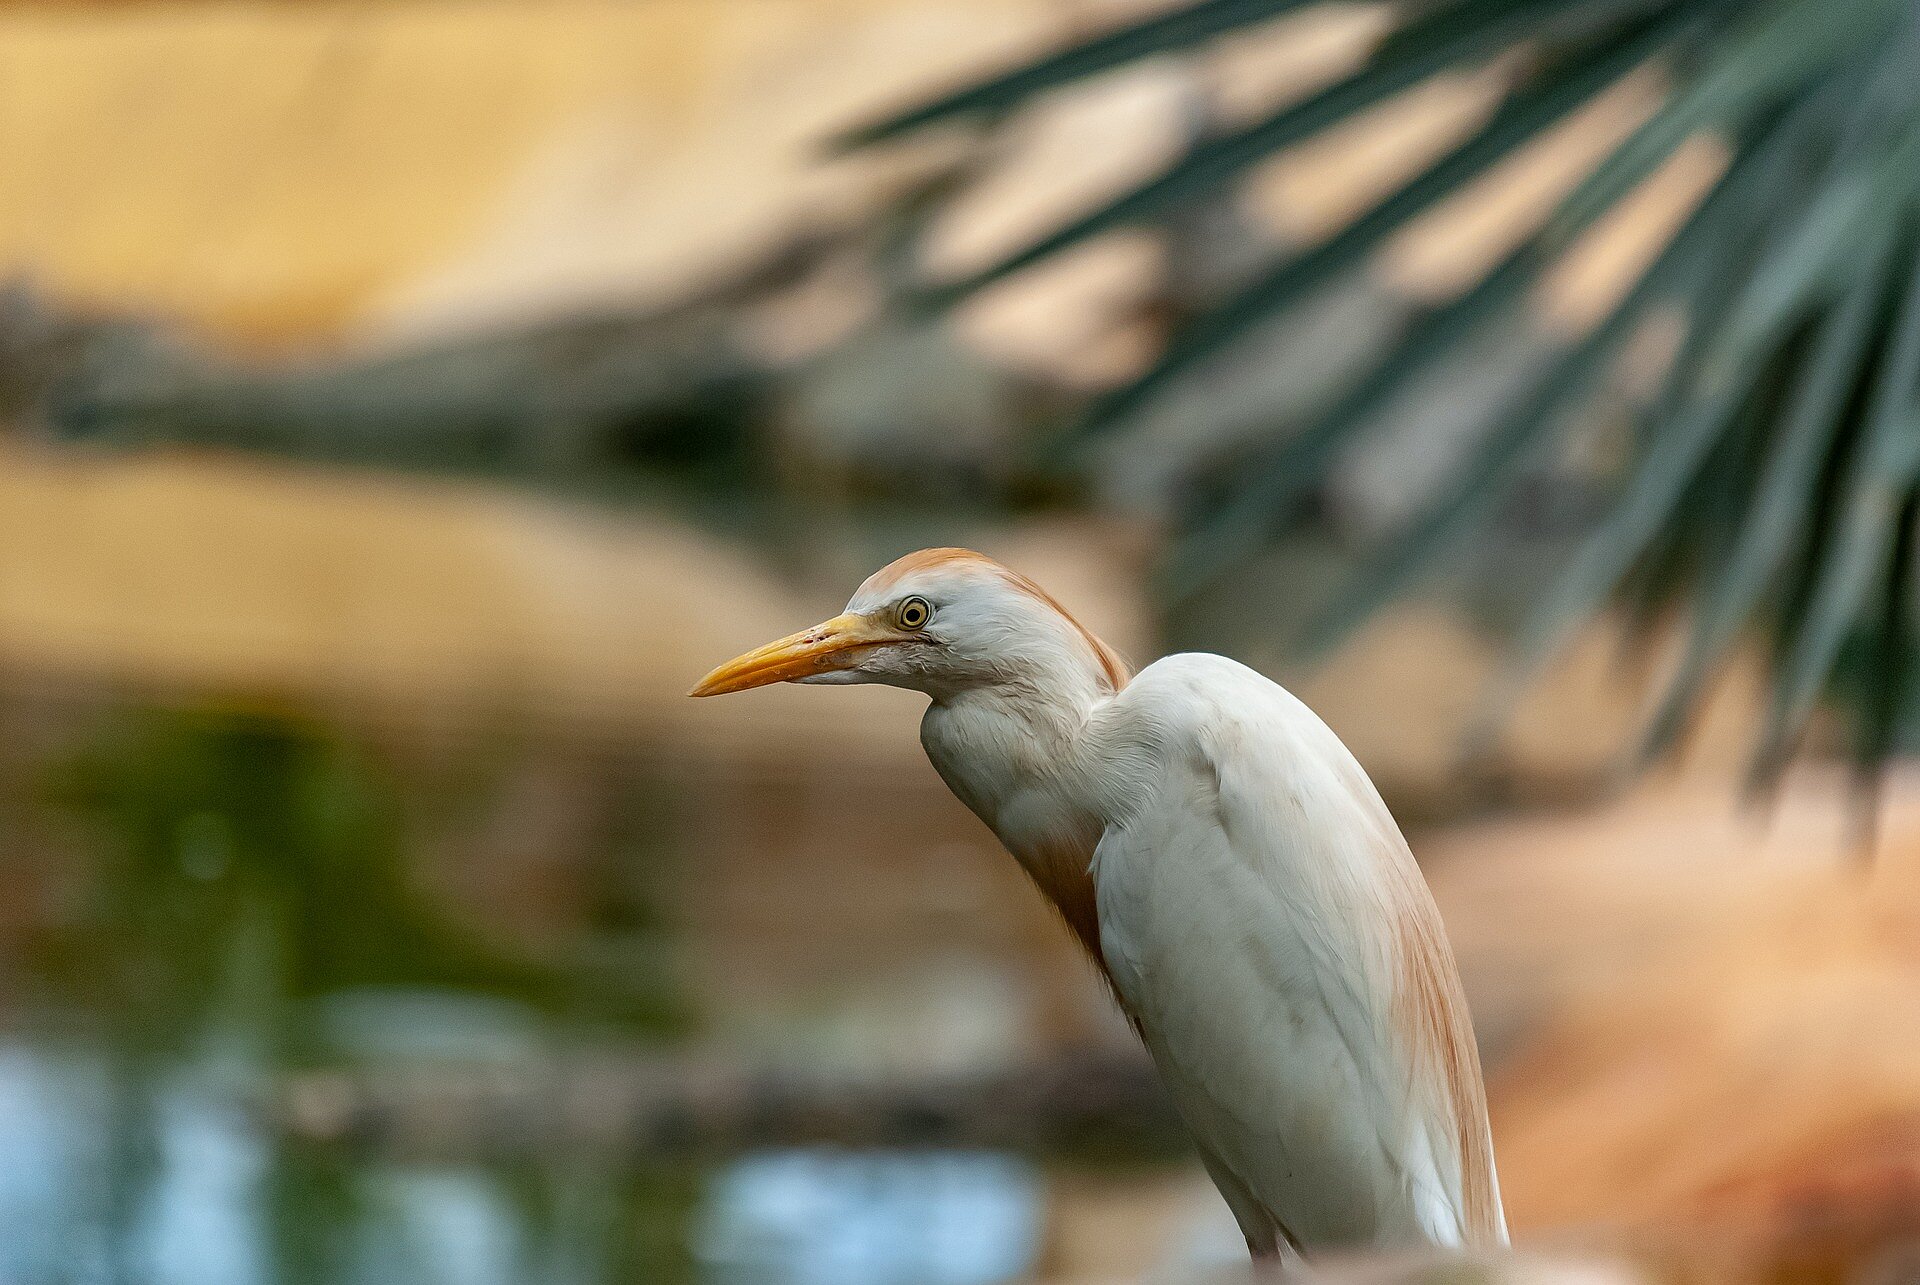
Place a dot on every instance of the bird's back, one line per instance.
(1270, 933)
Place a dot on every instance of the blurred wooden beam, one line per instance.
(1105, 1104)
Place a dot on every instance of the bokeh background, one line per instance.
(405, 402)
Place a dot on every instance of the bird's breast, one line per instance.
(1008, 778)
(1054, 842)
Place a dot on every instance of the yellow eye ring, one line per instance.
(912, 613)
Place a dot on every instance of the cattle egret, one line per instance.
(1231, 870)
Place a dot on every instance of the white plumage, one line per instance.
(1229, 866)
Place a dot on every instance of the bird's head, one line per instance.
(939, 621)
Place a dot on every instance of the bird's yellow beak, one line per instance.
(830, 645)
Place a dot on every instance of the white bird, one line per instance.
(1229, 866)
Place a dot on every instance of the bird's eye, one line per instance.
(913, 612)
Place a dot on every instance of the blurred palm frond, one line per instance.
(1771, 482)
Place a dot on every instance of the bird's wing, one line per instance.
(1266, 925)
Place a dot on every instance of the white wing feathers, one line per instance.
(1263, 920)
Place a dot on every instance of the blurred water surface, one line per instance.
(243, 913)
(209, 1198)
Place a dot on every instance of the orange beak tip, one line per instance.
(715, 684)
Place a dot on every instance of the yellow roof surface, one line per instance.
(277, 171)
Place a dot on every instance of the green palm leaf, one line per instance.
(1773, 482)
(1885, 467)
(1558, 87)
(1470, 32)
(1780, 510)
(1796, 275)
(1179, 29)
(1516, 432)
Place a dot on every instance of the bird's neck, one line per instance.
(1016, 755)
(995, 744)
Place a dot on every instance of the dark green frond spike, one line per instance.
(1647, 597)
(1289, 472)
(1887, 462)
(1452, 36)
(1778, 478)
(1659, 481)
(1243, 522)
(1648, 588)
(1795, 278)
(1278, 482)
(1509, 443)
(1530, 417)
(1181, 28)
(1784, 46)
(1886, 679)
(1555, 90)
(1786, 613)
(1783, 503)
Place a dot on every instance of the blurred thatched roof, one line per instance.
(1705, 1025)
